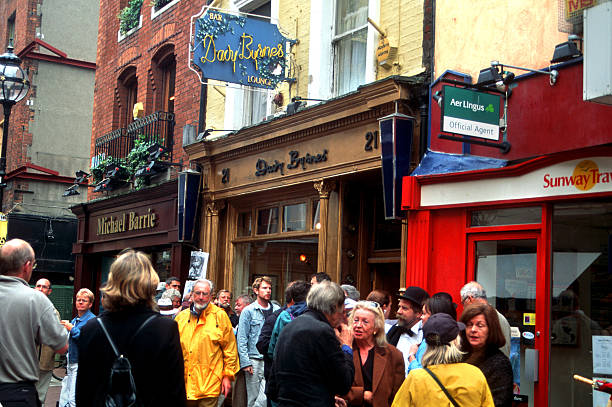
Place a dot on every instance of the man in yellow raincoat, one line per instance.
(209, 348)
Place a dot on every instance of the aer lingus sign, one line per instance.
(470, 113)
(238, 49)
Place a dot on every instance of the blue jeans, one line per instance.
(67, 396)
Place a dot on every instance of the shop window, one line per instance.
(316, 215)
(350, 44)
(581, 306)
(244, 224)
(507, 216)
(162, 262)
(283, 260)
(294, 217)
(267, 221)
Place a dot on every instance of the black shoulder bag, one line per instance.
(452, 400)
(121, 391)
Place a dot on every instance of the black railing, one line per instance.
(157, 127)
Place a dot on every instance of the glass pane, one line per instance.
(244, 224)
(350, 14)
(316, 215)
(581, 309)
(294, 217)
(350, 63)
(267, 221)
(283, 260)
(508, 216)
(507, 271)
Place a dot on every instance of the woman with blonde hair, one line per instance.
(444, 379)
(134, 325)
(379, 366)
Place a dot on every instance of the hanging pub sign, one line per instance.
(470, 113)
(239, 49)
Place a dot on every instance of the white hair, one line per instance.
(473, 289)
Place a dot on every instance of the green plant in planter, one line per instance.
(99, 170)
(129, 17)
(138, 157)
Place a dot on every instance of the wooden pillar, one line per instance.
(324, 187)
(211, 243)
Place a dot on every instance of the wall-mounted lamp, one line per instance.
(206, 133)
(80, 179)
(297, 102)
(567, 50)
(492, 76)
(553, 73)
(438, 98)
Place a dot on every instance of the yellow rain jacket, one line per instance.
(209, 351)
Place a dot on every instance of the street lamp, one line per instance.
(14, 85)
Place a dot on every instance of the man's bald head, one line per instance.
(44, 286)
(17, 259)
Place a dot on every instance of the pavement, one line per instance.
(53, 393)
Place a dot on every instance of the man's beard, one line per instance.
(200, 307)
(407, 323)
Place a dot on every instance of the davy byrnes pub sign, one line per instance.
(239, 49)
(470, 113)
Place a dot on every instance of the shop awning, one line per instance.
(434, 162)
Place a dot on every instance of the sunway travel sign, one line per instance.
(470, 113)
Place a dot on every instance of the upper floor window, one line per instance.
(10, 30)
(350, 44)
(128, 95)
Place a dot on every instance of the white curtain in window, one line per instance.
(350, 43)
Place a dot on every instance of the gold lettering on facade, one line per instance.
(126, 221)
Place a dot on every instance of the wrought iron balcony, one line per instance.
(157, 127)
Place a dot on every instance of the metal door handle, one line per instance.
(531, 365)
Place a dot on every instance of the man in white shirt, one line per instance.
(408, 329)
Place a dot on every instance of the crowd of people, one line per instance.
(326, 346)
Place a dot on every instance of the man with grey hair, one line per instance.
(313, 360)
(28, 320)
(209, 348)
(473, 292)
(350, 292)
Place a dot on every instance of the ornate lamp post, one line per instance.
(14, 86)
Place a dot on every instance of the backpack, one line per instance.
(121, 389)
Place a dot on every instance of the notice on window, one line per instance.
(602, 355)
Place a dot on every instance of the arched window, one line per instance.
(128, 95)
(164, 67)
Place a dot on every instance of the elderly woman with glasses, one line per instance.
(482, 339)
(379, 366)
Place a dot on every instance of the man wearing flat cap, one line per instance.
(408, 330)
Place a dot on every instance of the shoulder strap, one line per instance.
(452, 400)
(112, 344)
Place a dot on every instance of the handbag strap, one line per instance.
(112, 344)
(452, 400)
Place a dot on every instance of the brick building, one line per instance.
(48, 139)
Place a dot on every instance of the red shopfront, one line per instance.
(537, 234)
(540, 246)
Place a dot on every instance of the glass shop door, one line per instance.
(509, 266)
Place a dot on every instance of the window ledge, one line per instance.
(121, 37)
(155, 13)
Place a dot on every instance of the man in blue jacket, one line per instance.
(251, 320)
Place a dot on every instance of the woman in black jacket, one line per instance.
(154, 350)
(482, 339)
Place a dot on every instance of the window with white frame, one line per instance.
(350, 44)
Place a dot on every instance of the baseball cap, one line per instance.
(441, 329)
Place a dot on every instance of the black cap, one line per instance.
(441, 329)
(414, 294)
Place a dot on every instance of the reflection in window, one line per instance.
(267, 221)
(507, 216)
(244, 224)
(316, 215)
(294, 217)
(283, 260)
(581, 306)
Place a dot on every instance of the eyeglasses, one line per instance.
(201, 293)
(33, 263)
(372, 304)
(479, 326)
(46, 287)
